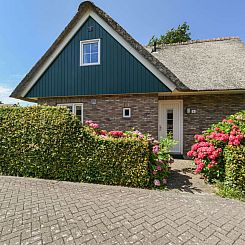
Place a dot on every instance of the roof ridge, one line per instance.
(200, 41)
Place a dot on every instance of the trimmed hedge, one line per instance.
(39, 141)
(115, 161)
(235, 167)
(49, 142)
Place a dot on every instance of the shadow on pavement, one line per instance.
(180, 181)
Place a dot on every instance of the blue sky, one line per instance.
(29, 27)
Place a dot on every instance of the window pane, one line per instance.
(126, 112)
(94, 47)
(87, 48)
(86, 58)
(170, 122)
(94, 58)
(78, 110)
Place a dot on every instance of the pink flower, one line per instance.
(230, 121)
(88, 122)
(239, 117)
(155, 149)
(209, 166)
(94, 125)
(154, 172)
(157, 182)
(190, 153)
(103, 132)
(199, 138)
(159, 168)
(201, 155)
(211, 157)
(164, 181)
(116, 133)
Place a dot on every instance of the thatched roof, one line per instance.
(214, 64)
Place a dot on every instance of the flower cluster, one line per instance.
(116, 133)
(204, 152)
(91, 124)
(160, 171)
(207, 152)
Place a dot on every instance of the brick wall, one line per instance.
(108, 111)
(210, 109)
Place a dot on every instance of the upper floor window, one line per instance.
(90, 52)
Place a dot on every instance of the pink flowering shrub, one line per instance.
(208, 151)
(160, 162)
(159, 159)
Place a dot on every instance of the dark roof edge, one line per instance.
(84, 6)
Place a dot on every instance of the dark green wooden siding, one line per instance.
(118, 73)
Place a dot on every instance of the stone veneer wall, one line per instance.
(108, 111)
(210, 109)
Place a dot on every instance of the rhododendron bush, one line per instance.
(208, 151)
(156, 165)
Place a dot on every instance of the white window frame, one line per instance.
(124, 115)
(81, 51)
(73, 105)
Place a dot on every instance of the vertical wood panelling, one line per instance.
(118, 73)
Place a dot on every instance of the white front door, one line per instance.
(170, 119)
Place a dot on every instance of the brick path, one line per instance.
(183, 179)
(36, 211)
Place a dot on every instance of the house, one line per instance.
(101, 73)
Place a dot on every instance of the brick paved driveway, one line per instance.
(49, 212)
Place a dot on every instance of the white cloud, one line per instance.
(4, 96)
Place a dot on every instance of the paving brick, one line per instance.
(52, 212)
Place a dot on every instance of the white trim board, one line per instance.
(114, 34)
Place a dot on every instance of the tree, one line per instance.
(178, 35)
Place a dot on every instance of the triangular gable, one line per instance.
(86, 10)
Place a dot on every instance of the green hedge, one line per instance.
(235, 166)
(121, 161)
(39, 141)
(49, 142)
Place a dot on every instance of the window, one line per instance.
(126, 112)
(90, 52)
(170, 121)
(77, 109)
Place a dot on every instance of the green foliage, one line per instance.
(208, 151)
(160, 162)
(39, 141)
(229, 192)
(165, 145)
(49, 142)
(178, 35)
(114, 161)
(235, 167)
